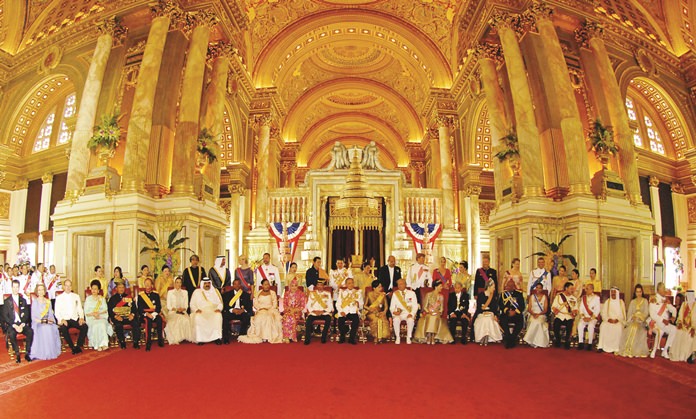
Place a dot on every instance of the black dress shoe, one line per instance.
(160, 343)
(588, 347)
(579, 348)
(306, 342)
(78, 350)
(353, 342)
(218, 342)
(122, 345)
(28, 358)
(690, 360)
(199, 343)
(136, 346)
(18, 361)
(147, 349)
(342, 340)
(74, 351)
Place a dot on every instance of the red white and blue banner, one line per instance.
(423, 235)
(287, 236)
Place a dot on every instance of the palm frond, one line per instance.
(563, 239)
(537, 254)
(572, 259)
(177, 242)
(149, 249)
(148, 235)
(543, 241)
(172, 236)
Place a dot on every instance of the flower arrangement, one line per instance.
(106, 135)
(602, 139)
(511, 147)
(207, 146)
(165, 256)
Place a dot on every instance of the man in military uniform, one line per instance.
(511, 308)
(149, 310)
(122, 311)
(565, 309)
(319, 308)
(236, 306)
(348, 305)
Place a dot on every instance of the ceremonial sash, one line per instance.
(16, 307)
(565, 301)
(235, 298)
(222, 278)
(539, 280)
(510, 296)
(541, 308)
(587, 308)
(342, 278)
(377, 302)
(147, 300)
(241, 278)
(317, 299)
(662, 309)
(26, 284)
(218, 293)
(99, 303)
(55, 278)
(45, 310)
(348, 301)
(262, 272)
(193, 281)
(420, 273)
(123, 302)
(687, 315)
(400, 296)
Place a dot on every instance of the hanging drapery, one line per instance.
(372, 246)
(342, 245)
(423, 236)
(287, 235)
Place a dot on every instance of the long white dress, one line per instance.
(537, 334)
(486, 324)
(610, 334)
(178, 327)
(266, 325)
(684, 343)
(206, 325)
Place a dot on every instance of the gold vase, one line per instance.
(515, 164)
(104, 154)
(603, 157)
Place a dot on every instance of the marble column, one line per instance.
(78, 165)
(589, 35)
(18, 213)
(236, 215)
(570, 123)
(262, 124)
(656, 211)
(444, 125)
(489, 56)
(140, 123)
(527, 130)
(214, 110)
(473, 224)
(435, 161)
(44, 210)
(186, 136)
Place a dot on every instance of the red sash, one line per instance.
(26, 284)
(565, 301)
(241, 277)
(262, 272)
(16, 307)
(483, 274)
(662, 309)
(121, 303)
(587, 308)
(55, 278)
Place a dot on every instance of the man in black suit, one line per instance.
(389, 274)
(16, 315)
(458, 310)
(312, 274)
(122, 311)
(511, 309)
(236, 306)
(150, 311)
(483, 273)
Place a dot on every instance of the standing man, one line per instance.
(540, 275)
(53, 284)
(511, 308)
(25, 282)
(403, 307)
(122, 311)
(69, 314)
(458, 311)
(338, 278)
(483, 274)
(17, 316)
(236, 306)
(596, 282)
(5, 280)
(219, 274)
(319, 308)
(418, 276)
(389, 274)
(38, 276)
(268, 271)
(589, 311)
(193, 275)
(565, 309)
(312, 274)
(348, 305)
(150, 311)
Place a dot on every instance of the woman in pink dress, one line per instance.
(443, 274)
(294, 302)
(515, 274)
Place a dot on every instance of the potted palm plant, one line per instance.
(602, 142)
(106, 137)
(510, 151)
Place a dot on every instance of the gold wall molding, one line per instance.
(5, 199)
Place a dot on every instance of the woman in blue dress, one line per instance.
(97, 318)
(46, 344)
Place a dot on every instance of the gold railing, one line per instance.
(422, 205)
(288, 204)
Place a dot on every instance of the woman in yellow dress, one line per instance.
(144, 274)
(431, 327)
(376, 306)
(559, 282)
(164, 281)
(364, 278)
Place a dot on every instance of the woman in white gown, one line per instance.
(537, 335)
(486, 327)
(684, 343)
(178, 322)
(266, 325)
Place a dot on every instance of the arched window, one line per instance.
(59, 128)
(43, 138)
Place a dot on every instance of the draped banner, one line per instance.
(423, 235)
(286, 237)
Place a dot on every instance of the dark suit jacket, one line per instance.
(463, 302)
(312, 276)
(244, 301)
(8, 314)
(383, 276)
(142, 305)
(480, 282)
(116, 299)
(505, 306)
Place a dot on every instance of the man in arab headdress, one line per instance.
(206, 317)
(219, 274)
(613, 319)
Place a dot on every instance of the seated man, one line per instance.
(69, 314)
(238, 306)
(149, 310)
(122, 311)
(17, 316)
(590, 306)
(403, 307)
(319, 308)
(660, 313)
(564, 307)
(613, 319)
(206, 317)
(348, 304)
(511, 308)
(458, 311)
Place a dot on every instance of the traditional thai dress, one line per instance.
(431, 319)
(293, 304)
(46, 344)
(683, 346)
(98, 330)
(162, 285)
(634, 339)
(376, 307)
(266, 325)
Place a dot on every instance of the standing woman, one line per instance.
(634, 339)
(46, 343)
(117, 278)
(294, 301)
(97, 318)
(178, 327)
(515, 274)
(443, 274)
(245, 274)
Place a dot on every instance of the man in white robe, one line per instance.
(613, 320)
(206, 314)
(661, 311)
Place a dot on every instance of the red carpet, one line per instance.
(330, 381)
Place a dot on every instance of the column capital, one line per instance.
(167, 8)
(654, 181)
(275, 133)
(261, 120)
(677, 188)
(204, 17)
(287, 166)
(449, 121)
(472, 190)
(47, 177)
(432, 133)
(220, 49)
(489, 51)
(113, 27)
(21, 183)
(505, 20)
(236, 188)
(539, 10)
(587, 31)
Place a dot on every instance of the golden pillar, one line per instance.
(589, 35)
(444, 125)
(78, 165)
(140, 123)
(435, 161)
(570, 124)
(262, 123)
(189, 112)
(527, 131)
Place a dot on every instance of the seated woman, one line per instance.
(486, 327)
(431, 326)
(537, 335)
(97, 318)
(162, 284)
(634, 338)
(46, 343)
(376, 307)
(684, 342)
(294, 301)
(178, 327)
(266, 325)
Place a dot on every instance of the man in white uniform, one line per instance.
(588, 309)
(206, 314)
(539, 274)
(348, 306)
(270, 272)
(70, 315)
(338, 277)
(53, 284)
(660, 312)
(318, 308)
(403, 307)
(418, 276)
